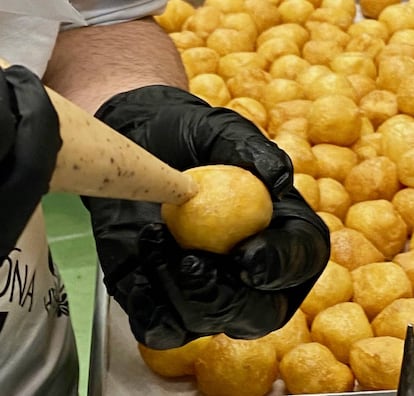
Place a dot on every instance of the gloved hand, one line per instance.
(173, 295)
(29, 143)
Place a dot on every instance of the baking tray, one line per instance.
(116, 367)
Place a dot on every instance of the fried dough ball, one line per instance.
(405, 36)
(321, 52)
(265, 14)
(204, 21)
(225, 6)
(288, 66)
(378, 284)
(199, 60)
(333, 222)
(373, 178)
(275, 47)
(333, 197)
(186, 39)
(293, 333)
(371, 27)
(367, 128)
(376, 362)
(405, 168)
(295, 11)
(370, 45)
(397, 17)
(323, 295)
(339, 326)
(281, 90)
(300, 153)
(334, 119)
(210, 87)
(246, 82)
(405, 95)
(296, 126)
(251, 109)
(175, 14)
(403, 201)
(392, 70)
(373, 8)
(289, 31)
(308, 188)
(395, 49)
(232, 64)
(380, 222)
(394, 318)
(229, 367)
(406, 261)
(285, 111)
(355, 62)
(322, 30)
(397, 136)
(336, 16)
(174, 362)
(313, 368)
(347, 5)
(362, 85)
(379, 105)
(310, 74)
(241, 21)
(225, 41)
(352, 249)
(330, 84)
(334, 161)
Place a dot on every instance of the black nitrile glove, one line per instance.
(29, 143)
(173, 295)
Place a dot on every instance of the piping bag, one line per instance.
(95, 160)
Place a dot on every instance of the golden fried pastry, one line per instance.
(333, 222)
(273, 48)
(333, 197)
(296, 126)
(392, 70)
(321, 52)
(293, 333)
(308, 188)
(249, 82)
(370, 27)
(174, 362)
(186, 39)
(281, 90)
(264, 13)
(397, 136)
(380, 222)
(175, 14)
(300, 153)
(371, 179)
(356, 62)
(225, 41)
(290, 31)
(378, 284)
(397, 17)
(373, 8)
(229, 367)
(331, 84)
(378, 105)
(324, 295)
(371, 45)
(236, 63)
(199, 60)
(334, 119)
(241, 21)
(405, 95)
(288, 66)
(313, 368)
(335, 15)
(362, 85)
(288, 110)
(334, 161)
(403, 201)
(376, 362)
(394, 318)
(295, 11)
(406, 261)
(225, 6)
(405, 168)
(322, 30)
(405, 36)
(251, 109)
(203, 21)
(348, 5)
(339, 326)
(210, 87)
(352, 249)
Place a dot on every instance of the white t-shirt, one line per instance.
(38, 351)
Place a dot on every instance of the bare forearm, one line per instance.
(89, 65)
